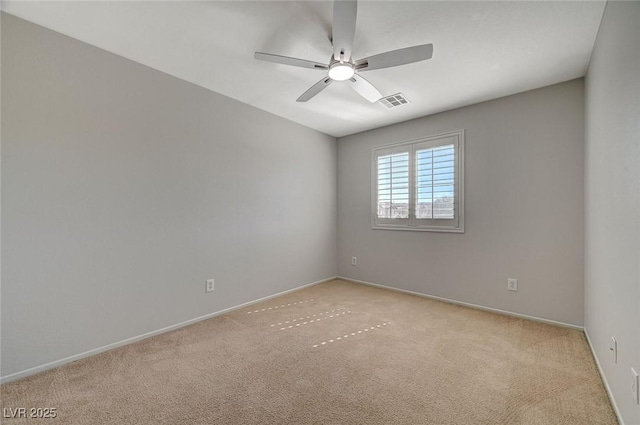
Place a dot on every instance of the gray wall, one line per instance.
(612, 181)
(523, 208)
(124, 189)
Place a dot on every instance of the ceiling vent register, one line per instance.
(394, 100)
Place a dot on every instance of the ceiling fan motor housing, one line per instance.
(340, 71)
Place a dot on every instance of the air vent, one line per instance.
(394, 100)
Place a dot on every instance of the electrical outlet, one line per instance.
(613, 347)
(354, 261)
(635, 386)
(210, 285)
(512, 284)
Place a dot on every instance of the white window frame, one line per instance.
(455, 225)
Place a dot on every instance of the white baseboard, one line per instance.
(60, 362)
(604, 379)
(476, 306)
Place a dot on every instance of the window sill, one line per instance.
(419, 229)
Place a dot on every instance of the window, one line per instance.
(418, 185)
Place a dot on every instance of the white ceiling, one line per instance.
(482, 49)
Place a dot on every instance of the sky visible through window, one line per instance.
(434, 184)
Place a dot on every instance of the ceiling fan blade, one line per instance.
(344, 27)
(285, 60)
(396, 57)
(315, 89)
(365, 88)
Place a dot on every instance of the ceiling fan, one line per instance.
(341, 65)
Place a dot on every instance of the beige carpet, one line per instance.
(334, 353)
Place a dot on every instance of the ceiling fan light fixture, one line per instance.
(341, 71)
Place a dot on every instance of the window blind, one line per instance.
(418, 185)
(435, 182)
(393, 185)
